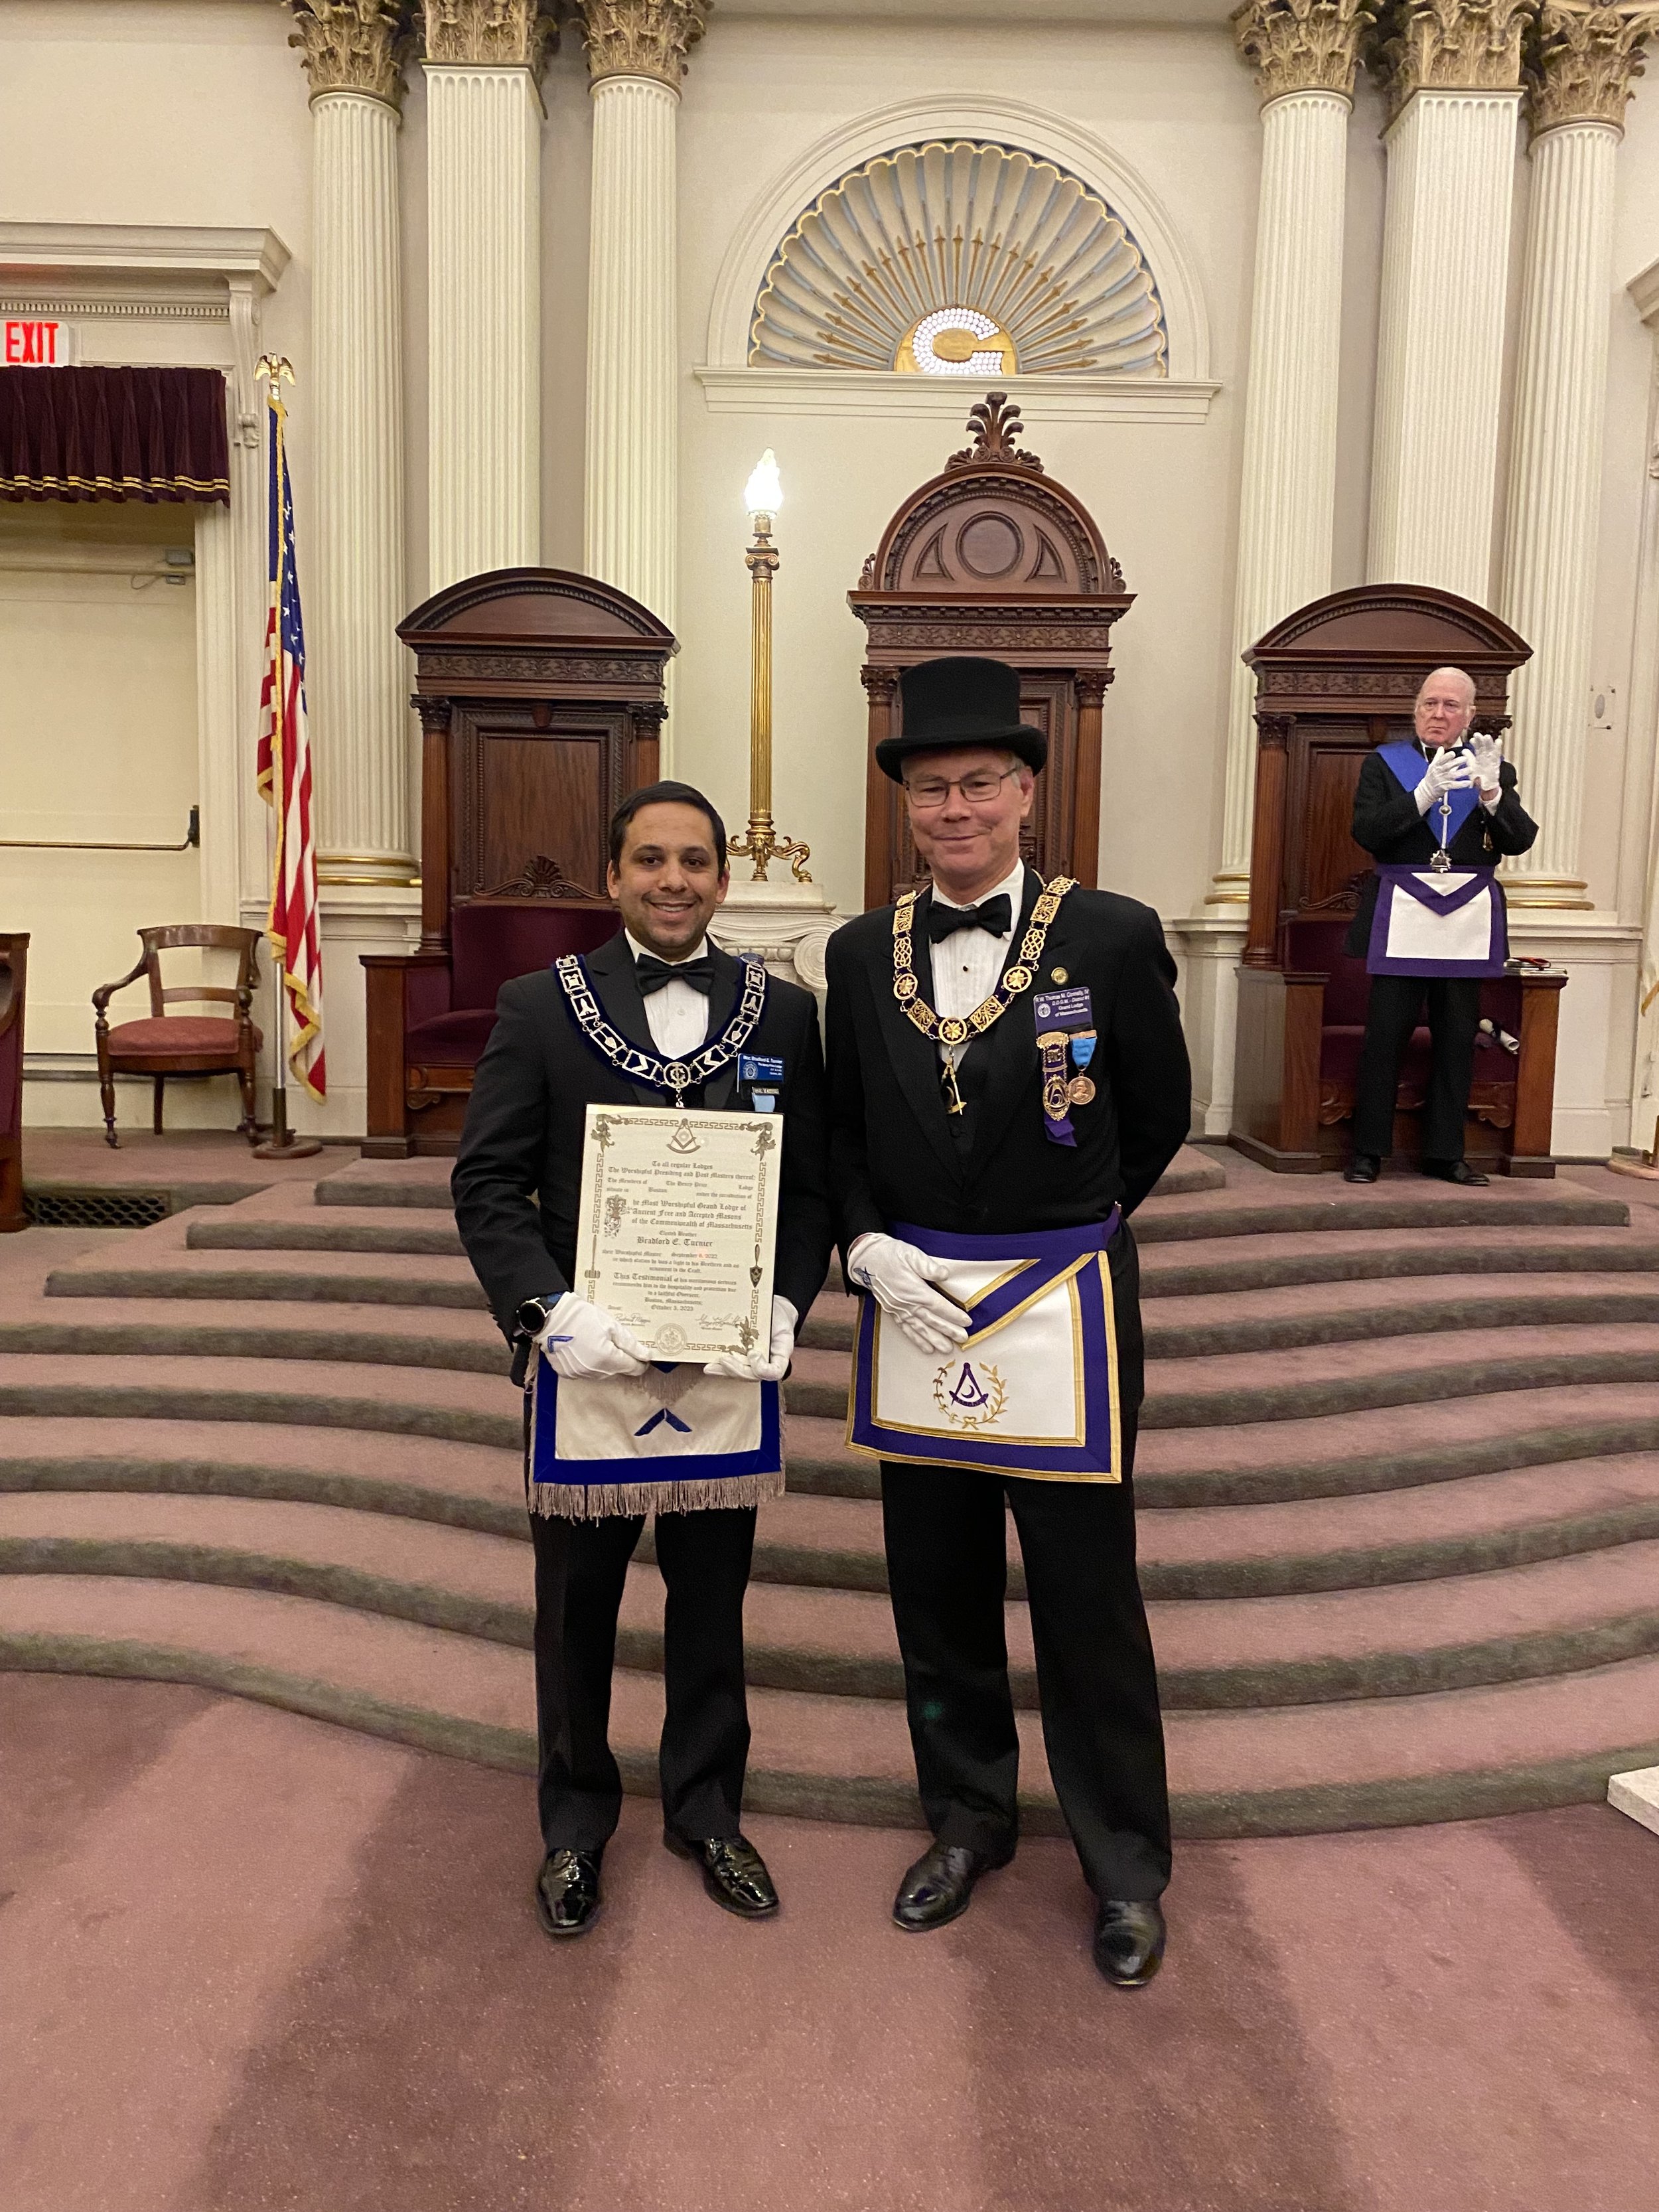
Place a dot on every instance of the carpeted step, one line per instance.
(422, 1183)
(1202, 1266)
(464, 1486)
(1429, 1206)
(1448, 1754)
(1461, 1526)
(1343, 1455)
(1228, 1389)
(329, 1229)
(172, 1269)
(419, 1338)
(1552, 1618)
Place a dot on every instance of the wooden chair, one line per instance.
(14, 972)
(165, 1044)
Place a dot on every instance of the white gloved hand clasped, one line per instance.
(1448, 770)
(585, 1342)
(1487, 763)
(758, 1366)
(902, 1280)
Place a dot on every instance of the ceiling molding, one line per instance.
(159, 254)
(1045, 398)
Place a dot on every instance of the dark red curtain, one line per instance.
(116, 434)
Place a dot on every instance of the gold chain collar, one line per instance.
(1017, 978)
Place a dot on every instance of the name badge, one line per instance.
(1065, 1010)
(755, 1067)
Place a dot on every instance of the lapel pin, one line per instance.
(1059, 975)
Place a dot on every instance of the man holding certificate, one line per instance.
(640, 1189)
(1008, 1081)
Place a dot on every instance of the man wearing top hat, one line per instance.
(1450, 800)
(658, 1016)
(1008, 1081)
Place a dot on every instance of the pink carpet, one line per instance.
(252, 1962)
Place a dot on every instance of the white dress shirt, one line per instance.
(677, 1014)
(968, 964)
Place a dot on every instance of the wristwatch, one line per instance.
(534, 1314)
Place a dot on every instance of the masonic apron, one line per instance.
(1438, 919)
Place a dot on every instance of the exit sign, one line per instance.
(25, 343)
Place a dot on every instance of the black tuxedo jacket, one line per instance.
(893, 1154)
(525, 1126)
(1387, 824)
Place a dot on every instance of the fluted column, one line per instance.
(483, 64)
(1303, 53)
(1580, 61)
(636, 57)
(1452, 70)
(354, 52)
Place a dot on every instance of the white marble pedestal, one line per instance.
(785, 924)
(1637, 1794)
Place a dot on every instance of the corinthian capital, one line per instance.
(641, 37)
(1302, 46)
(491, 34)
(1451, 45)
(354, 45)
(1580, 61)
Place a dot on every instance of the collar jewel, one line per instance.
(1015, 978)
(628, 1059)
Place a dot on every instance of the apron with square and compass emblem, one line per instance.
(1034, 1390)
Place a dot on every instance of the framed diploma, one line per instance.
(678, 1226)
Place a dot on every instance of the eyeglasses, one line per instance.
(929, 793)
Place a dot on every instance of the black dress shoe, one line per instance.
(733, 1873)
(568, 1893)
(1458, 1171)
(937, 1888)
(1129, 1939)
(1364, 1167)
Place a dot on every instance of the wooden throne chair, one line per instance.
(993, 556)
(540, 694)
(1333, 680)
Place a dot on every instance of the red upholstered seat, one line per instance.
(490, 944)
(171, 1033)
(454, 1040)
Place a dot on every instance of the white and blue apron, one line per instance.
(1034, 1390)
(1441, 920)
(673, 1440)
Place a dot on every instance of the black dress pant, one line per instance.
(1097, 1681)
(581, 1568)
(1453, 1017)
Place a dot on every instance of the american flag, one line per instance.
(285, 772)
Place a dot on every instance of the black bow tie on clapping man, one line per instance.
(995, 914)
(653, 974)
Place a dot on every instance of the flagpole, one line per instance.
(281, 1144)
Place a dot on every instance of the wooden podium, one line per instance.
(992, 556)
(1333, 680)
(540, 693)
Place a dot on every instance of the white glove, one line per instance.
(902, 1280)
(1447, 771)
(758, 1366)
(1487, 765)
(585, 1342)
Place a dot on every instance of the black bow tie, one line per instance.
(995, 914)
(653, 974)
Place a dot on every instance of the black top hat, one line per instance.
(963, 701)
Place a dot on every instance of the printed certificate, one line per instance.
(678, 1221)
